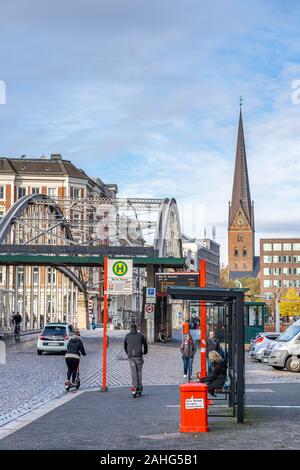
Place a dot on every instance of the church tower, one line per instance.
(241, 216)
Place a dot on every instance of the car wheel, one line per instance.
(278, 367)
(293, 364)
(39, 352)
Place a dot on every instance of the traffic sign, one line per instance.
(119, 276)
(150, 295)
(149, 310)
(91, 305)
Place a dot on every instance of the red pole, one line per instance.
(104, 386)
(202, 283)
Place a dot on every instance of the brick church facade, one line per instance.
(242, 261)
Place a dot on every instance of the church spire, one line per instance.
(241, 190)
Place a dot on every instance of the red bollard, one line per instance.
(193, 407)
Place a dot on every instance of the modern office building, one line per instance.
(279, 265)
(196, 249)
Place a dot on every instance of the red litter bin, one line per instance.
(186, 328)
(193, 407)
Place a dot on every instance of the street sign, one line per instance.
(150, 295)
(179, 315)
(149, 310)
(119, 276)
(91, 305)
(165, 280)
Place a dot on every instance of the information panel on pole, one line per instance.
(119, 276)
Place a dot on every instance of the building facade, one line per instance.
(241, 247)
(280, 265)
(43, 294)
(209, 250)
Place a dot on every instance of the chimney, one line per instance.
(56, 156)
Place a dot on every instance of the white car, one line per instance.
(54, 337)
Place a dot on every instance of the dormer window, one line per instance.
(244, 251)
(236, 251)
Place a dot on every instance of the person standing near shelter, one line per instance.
(136, 346)
(213, 344)
(188, 351)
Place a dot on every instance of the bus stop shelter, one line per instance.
(232, 300)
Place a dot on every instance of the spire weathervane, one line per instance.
(241, 101)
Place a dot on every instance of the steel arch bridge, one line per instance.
(37, 221)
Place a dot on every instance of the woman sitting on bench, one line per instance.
(217, 378)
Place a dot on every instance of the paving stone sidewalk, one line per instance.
(114, 420)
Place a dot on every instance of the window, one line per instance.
(277, 283)
(1, 276)
(277, 271)
(52, 192)
(267, 246)
(75, 192)
(267, 283)
(20, 276)
(267, 259)
(268, 295)
(298, 271)
(76, 220)
(287, 259)
(244, 251)
(1, 192)
(296, 246)
(236, 265)
(296, 259)
(277, 259)
(285, 271)
(35, 190)
(268, 271)
(240, 238)
(35, 275)
(287, 247)
(1, 214)
(276, 246)
(51, 275)
(236, 251)
(21, 192)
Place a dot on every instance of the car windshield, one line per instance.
(54, 330)
(290, 333)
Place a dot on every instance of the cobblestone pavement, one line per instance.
(114, 420)
(28, 381)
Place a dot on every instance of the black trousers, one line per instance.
(72, 364)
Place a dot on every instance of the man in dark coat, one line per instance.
(213, 344)
(135, 346)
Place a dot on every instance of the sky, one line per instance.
(146, 95)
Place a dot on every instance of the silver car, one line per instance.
(259, 344)
(286, 351)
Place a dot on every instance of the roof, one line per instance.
(41, 166)
(254, 273)
(241, 189)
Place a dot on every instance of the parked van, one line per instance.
(286, 349)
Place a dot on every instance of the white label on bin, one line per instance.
(194, 403)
